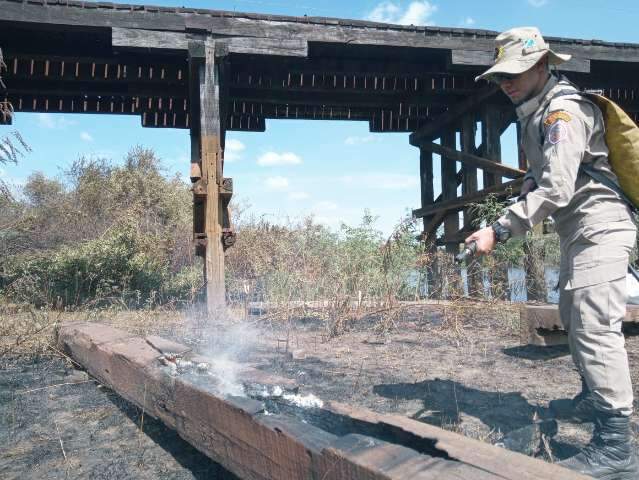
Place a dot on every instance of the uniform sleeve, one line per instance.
(565, 140)
(529, 175)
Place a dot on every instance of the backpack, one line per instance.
(622, 139)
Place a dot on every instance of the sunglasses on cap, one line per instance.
(503, 77)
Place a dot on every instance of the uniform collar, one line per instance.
(530, 106)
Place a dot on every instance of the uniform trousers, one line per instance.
(592, 306)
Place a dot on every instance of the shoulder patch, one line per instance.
(557, 132)
(553, 117)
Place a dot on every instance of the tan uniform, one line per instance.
(596, 234)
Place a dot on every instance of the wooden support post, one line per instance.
(521, 156)
(207, 139)
(449, 190)
(469, 186)
(427, 198)
(426, 181)
(534, 260)
(490, 134)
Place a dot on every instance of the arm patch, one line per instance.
(557, 132)
(555, 116)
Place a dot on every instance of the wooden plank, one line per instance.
(136, 39)
(547, 316)
(454, 113)
(457, 204)
(451, 154)
(281, 47)
(242, 435)
(233, 24)
(506, 464)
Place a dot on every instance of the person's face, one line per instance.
(522, 87)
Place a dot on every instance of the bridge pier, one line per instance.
(211, 192)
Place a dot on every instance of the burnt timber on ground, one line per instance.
(213, 71)
(540, 324)
(333, 441)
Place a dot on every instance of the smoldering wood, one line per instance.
(261, 437)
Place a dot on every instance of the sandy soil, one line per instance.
(462, 370)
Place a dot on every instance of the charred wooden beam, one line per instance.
(256, 433)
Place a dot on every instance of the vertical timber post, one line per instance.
(469, 185)
(427, 198)
(490, 135)
(207, 140)
(449, 192)
(491, 138)
(452, 277)
(534, 261)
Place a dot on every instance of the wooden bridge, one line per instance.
(215, 71)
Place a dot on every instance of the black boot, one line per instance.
(580, 409)
(610, 454)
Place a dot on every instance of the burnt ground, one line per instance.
(466, 373)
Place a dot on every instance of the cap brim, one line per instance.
(520, 65)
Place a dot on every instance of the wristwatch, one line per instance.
(501, 233)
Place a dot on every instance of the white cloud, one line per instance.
(468, 21)
(231, 156)
(234, 145)
(232, 150)
(325, 206)
(270, 159)
(418, 12)
(298, 195)
(54, 122)
(276, 183)
(537, 3)
(86, 137)
(359, 140)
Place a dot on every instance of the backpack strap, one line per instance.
(586, 167)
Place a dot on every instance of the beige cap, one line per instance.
(518, 50)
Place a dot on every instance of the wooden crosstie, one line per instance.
(214, 71)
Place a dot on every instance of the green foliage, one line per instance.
(306, 261)
(122, 266)
(545, 248)
(107, 233)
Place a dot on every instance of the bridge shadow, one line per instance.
(444, 402)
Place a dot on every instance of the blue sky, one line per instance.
(333, 170)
